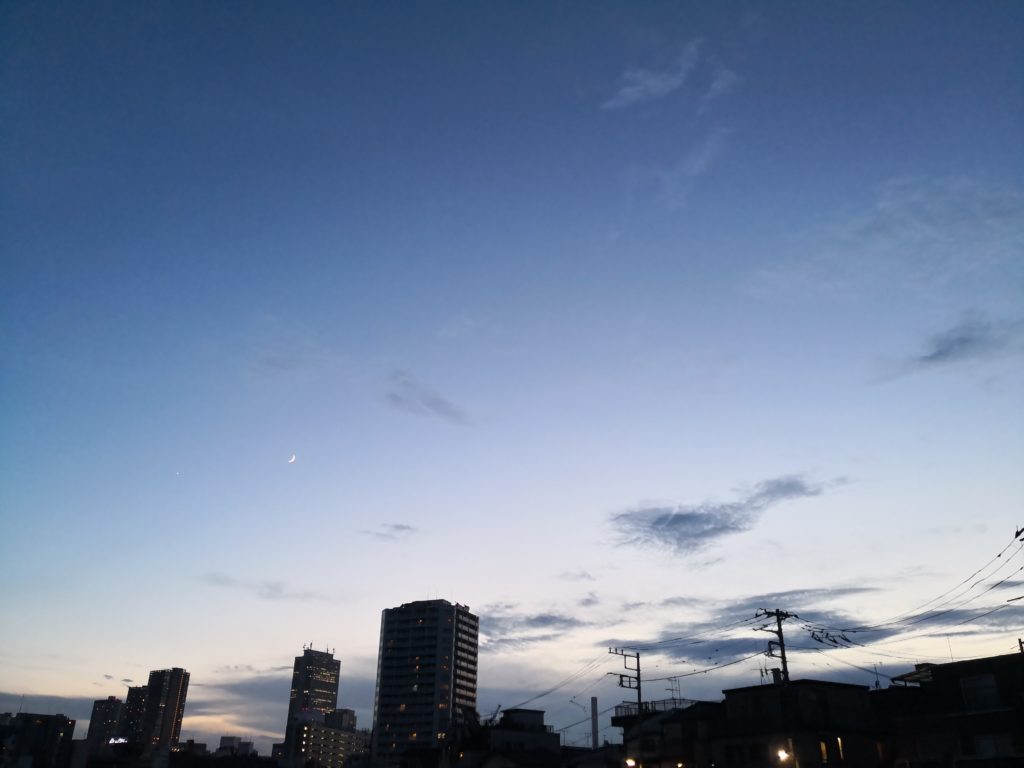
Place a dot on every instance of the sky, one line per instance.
(616, 322)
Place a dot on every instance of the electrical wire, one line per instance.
(589, 667)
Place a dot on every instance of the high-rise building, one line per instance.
(426, 675)
(165, 707)
(313, 696)
(314, 686)
(133, 713)
(104, 724)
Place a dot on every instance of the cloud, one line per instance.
(580, 575)
(919, 234)
(265, 590)
(974, 338)
(108, 677)
(677, 182)
(639, 86)
(406, 393)
(283, 350)
(724, 82)
(127, 680)
(589, 601)
(390, 532)
(729, 630)
(503, 628)
(687, 529)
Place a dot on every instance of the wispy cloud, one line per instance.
(589, 601)
(728, 629)
(918, 235)
(390, 531)
(974, 338)
(678, 181)
(580, 575)
(406, 393)
(723, 82)
(690, 528)
(638, 86)
(265, 590)
(504, 628)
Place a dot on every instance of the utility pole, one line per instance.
(779, 616)
(630, 681)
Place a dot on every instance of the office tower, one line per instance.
(426, 675)
(165, 707)
(314, 686)
(104, 724)
(314, 694)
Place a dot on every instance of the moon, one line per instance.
(292, 459)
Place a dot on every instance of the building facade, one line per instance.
(105, 723)
(38, 741)
(164, 708)
(314, 690)
(426, 676)
(314, 696)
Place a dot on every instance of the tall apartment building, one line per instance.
(426, 675)
(105, 724)
(132, 714)
(164, 708)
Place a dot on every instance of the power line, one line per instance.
(708, 669)
(590, 666)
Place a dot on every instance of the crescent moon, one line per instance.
(292, 459)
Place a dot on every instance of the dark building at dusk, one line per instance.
(36, 741)
(964, 713)
(105, 723)
(164, 708)
(426, 676)
(314, 690)
(313, 696)
(132, 714)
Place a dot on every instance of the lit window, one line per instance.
(823, 750)
(839, 744)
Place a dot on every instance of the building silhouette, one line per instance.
(164, 708)
(34, 740)
(132, 714)
(314, 686)
(426, 676)
(313, 696)
(105, 723)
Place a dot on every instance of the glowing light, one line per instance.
(783, 755)
(630, 762)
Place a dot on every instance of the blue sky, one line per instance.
(611, 321)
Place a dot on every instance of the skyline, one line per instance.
(613, 323)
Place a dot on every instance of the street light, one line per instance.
(783, 755)
(630, 762)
